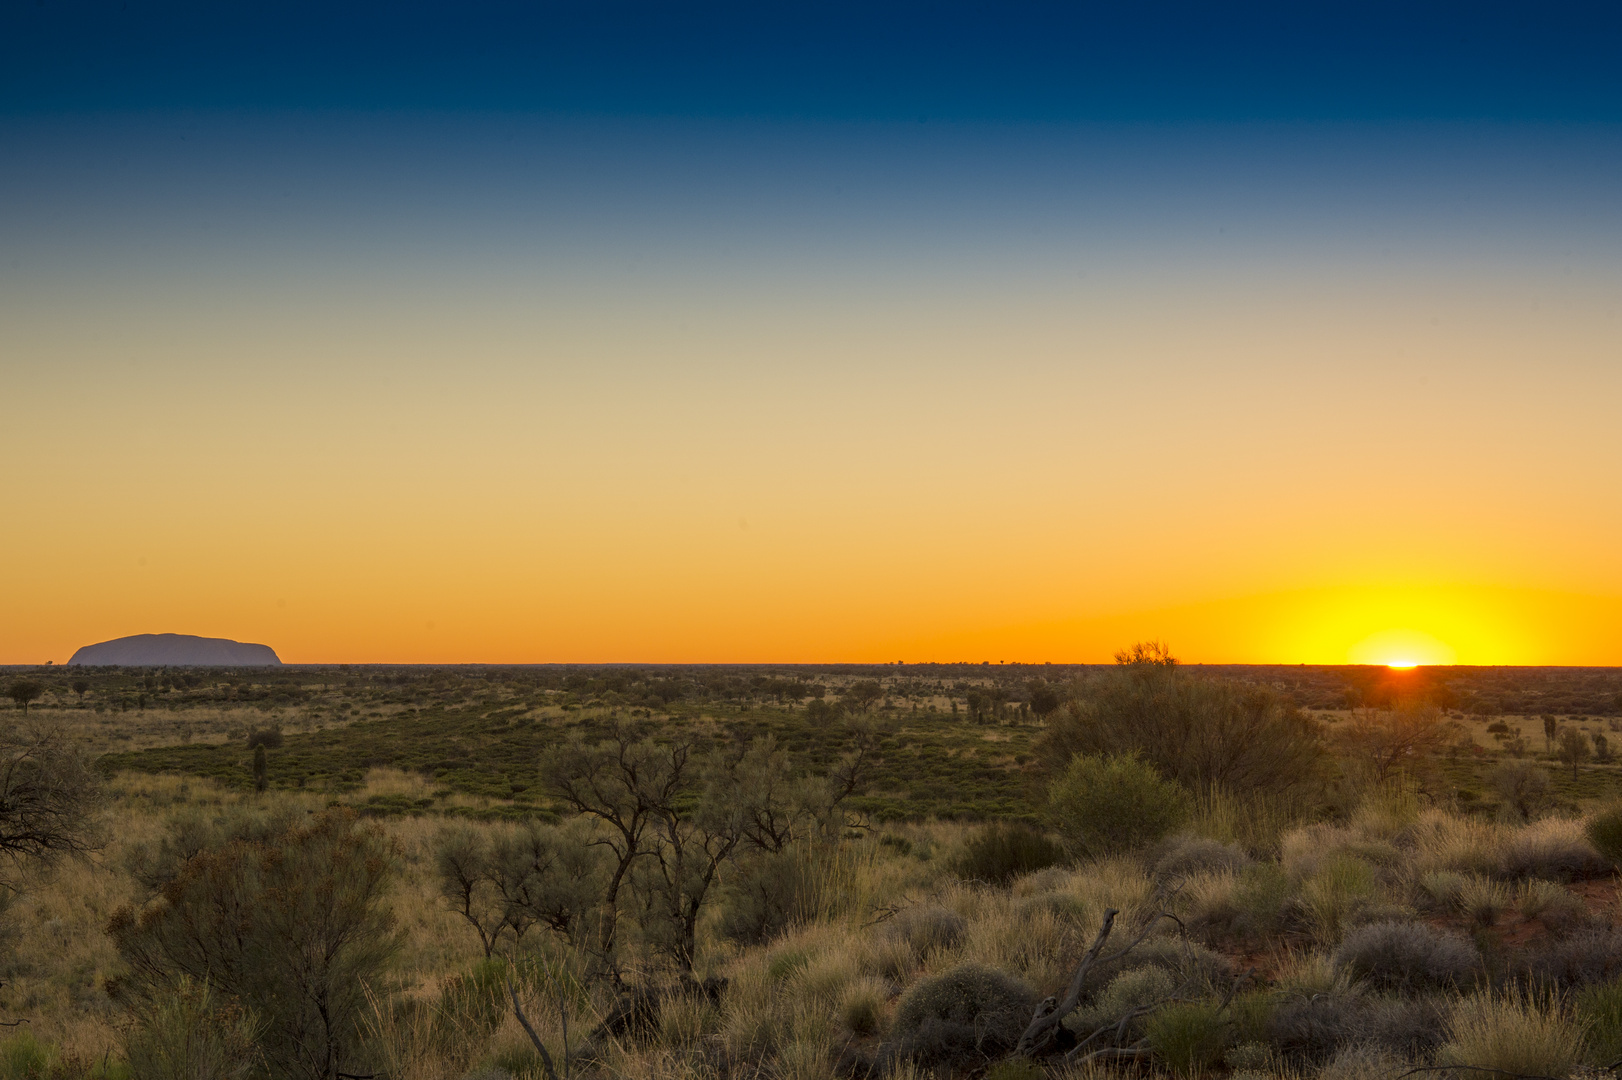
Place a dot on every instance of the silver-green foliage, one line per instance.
(1106, 805)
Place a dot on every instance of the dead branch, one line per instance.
(1479, 1068)
(1045, 1023)
(540, 1047)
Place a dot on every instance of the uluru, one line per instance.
(175, 650)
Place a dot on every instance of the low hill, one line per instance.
(176, 650)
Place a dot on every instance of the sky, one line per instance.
(668, 332)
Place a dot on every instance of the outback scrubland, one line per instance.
(920, 870)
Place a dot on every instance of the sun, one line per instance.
(1401, 647)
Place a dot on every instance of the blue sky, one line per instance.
(1057, 62)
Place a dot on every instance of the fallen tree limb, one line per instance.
(1045, 1023)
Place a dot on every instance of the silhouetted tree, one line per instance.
(79, 687)
(24, 691)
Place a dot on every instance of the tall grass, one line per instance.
(1514, 1033)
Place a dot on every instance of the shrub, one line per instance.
(1185, 960)
(1261, 894)
(1554, 848)
(1106, 805)
(25, 1057)
(928, 930)
(1341, 886)
(1599, 1010)
(766, 899)
(1522, 786)
(1440, 889)
(293, 930)
(191, 1034)
(1202, 732)
(1185, 856)
(1312, 1029)
(861, 1006)
(1550, 902)
(269, 738)
(1410, 1027)
(1129, 991)
(1582, 959)
(1004, 850)
(1188, 1037)
(1407, 956)
(1514, 1034)
(782, 889)
(1604, 832)
(1364, 1063)
(961, 1017)
(1483, 900)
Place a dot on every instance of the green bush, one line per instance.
(1599, 1009)
(1105, 805)
(1188, 1038)
(1000, 852)
(294, 930)
(772, 893)
(24, 1057)
(1605, 832)
(192, 1034)
(1207, 733)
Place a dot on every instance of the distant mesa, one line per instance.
(176, 650)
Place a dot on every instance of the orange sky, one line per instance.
(1274, 479)
(879, 434)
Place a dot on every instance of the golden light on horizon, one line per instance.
(1402, 648)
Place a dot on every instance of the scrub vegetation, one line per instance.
(935, 870)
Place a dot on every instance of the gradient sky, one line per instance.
(671, 332)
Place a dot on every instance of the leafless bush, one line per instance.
(48, 792)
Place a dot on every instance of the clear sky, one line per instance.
(813, 332)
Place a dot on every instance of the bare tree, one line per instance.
(1397, 740)
(48, 793)
(621, 782)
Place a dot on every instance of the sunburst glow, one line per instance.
(1402, 648)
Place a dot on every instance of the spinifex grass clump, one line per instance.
(1514, 1034)
(1003, 850)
